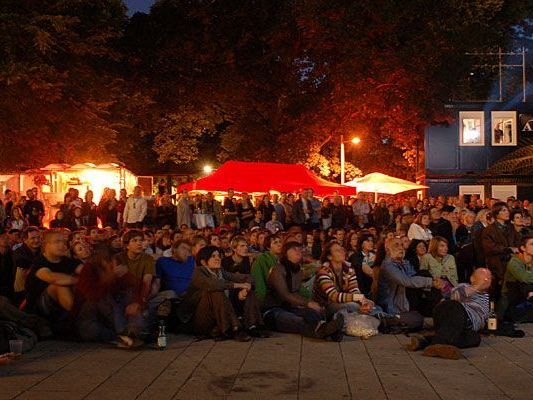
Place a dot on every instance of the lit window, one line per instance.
(472, 132)
(504, 128)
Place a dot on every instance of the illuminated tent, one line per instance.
(261, 177)
(86, 176)
(380, 183)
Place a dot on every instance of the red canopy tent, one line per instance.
(262, 177)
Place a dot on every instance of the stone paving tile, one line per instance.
(282, 367)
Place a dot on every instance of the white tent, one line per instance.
(380, 183)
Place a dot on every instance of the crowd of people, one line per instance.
(243, 267)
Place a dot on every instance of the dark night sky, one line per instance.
(138, 6)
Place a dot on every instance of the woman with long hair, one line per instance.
(335, 287)
(17, 220)
(289, 311)
(88, 208)
(111, 211)
(207, 308)
(59, 220)
(419, 229)
(438, 262)
(362, 260)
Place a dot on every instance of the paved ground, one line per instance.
(284, 367)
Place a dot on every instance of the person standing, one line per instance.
(303, 211)
(33, 209)
(361, 207)
(135, 209)
(230, 208)
(88, 209)
(183, 210)
(278, 207)
(316, 206)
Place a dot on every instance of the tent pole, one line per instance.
(375, 197)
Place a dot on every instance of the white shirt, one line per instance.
(135, 210)
(419, 233)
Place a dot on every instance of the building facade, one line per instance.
(486, 150)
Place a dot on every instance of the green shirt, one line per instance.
(440, 267)
(144, 264)
(517, 271)
(260, 271)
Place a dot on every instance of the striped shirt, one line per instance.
(331, 288)
(476, 306)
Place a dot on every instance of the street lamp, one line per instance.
(208, 169)
(354, 140)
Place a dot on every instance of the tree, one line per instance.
(271, 80)
(57, 80)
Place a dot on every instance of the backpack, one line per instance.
(12, 331)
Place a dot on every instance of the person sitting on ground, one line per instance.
(198, 243)
(107, 306)
(458, 320)
(264, 263)
(237, 268)
(114, 243)
(441, 227)
(257, 221)
(51, 279)
(396, 275)
(335, 286)
(59, 221)
(287, 310)
(176, 272)
(439, 263)
(75, 220)
(7, 271)
(417, 249)
(239, 261)
(516, 302)
(499, 241)
(208, 310)
(274, 225)
(142, 266)
(419, 229)
(23, 259)
(81, 251)
(362, 261)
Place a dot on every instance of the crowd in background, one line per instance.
(245, 266)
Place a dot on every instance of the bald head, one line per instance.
(481, 278)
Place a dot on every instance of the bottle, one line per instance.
(492, 321)
(162, 336)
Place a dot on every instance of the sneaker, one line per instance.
(241, 336)
(443, 351)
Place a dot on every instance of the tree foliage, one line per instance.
(264, 80)
(56, 82)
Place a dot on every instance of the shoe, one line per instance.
(339, 335)
(164, 309)
(443, 351)
(331, 328)
(241, 336)
(418, 342)
(258, 332)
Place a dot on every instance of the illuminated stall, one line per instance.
(84, 177)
